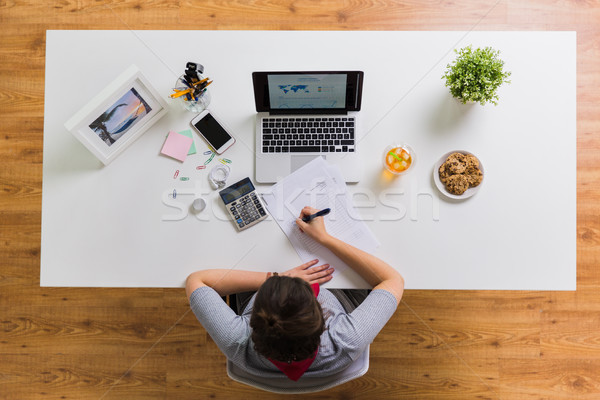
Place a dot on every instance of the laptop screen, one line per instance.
(307, 92)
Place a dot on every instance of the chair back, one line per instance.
(305, 384)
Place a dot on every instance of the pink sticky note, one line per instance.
(177, 146)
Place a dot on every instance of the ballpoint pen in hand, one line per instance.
(321, 213)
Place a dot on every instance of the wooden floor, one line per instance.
(144, 344)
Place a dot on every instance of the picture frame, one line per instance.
(118, 115)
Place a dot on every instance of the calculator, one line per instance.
(243, 204)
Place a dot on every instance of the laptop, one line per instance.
(303, 115)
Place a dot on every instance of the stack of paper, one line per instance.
(319, 185)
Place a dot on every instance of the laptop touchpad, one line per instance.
(299, 161)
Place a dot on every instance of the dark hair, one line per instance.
(287, 320)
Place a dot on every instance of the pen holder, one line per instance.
(195, 105)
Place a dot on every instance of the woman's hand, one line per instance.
(315, 228)
(310, 273)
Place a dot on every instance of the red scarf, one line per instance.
(296, 369)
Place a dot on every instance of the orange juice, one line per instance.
(398, 158)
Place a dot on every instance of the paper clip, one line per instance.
(207, 152)
(201, 167)
(176, 174)
(210, 159)
(174, 193)
(184, 178)
(223, 161)
(228, 161)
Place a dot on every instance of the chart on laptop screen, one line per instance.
(307, 91)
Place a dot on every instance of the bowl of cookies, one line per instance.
(458, 174)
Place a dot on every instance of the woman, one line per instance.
(290, 325)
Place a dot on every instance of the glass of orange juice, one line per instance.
(398, 158)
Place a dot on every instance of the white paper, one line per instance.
(319, 185)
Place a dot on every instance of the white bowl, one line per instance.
(442, 188)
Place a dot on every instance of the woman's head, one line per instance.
(287, 320)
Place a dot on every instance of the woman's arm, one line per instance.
(228, 281)
(225, 281)
(376, 272)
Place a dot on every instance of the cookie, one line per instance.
(471, 164)
(444, 175)
(455, 163)
(457, 184)
(475, 177)
(458, 156)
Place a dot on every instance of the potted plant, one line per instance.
(476, 75)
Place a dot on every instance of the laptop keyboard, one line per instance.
(308, 135)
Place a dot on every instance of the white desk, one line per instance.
(108, 226)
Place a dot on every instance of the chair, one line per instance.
(305, 384)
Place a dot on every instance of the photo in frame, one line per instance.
(118, 115)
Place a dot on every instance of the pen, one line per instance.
(317, 214)
(179, 93)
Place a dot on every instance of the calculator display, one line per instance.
(243, 204)
(236, 191)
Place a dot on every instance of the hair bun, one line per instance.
(287, 321)
(274, 325)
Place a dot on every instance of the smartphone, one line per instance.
(213, 131)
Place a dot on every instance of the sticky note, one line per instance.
(188, 133)
(177, 146)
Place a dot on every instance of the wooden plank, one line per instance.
(339, 15)
(81, 376)
(549, 379)
(126, 332)
(89, 14)
(448, 378)
(553, 14)
(569, 334)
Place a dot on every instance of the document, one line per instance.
(319, 185)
